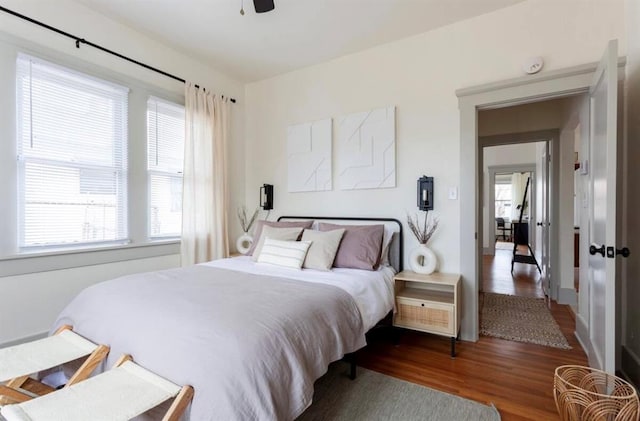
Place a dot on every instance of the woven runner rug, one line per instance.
(521, 319)
(377, 397)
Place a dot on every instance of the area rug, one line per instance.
(375, 397)
(521, 319)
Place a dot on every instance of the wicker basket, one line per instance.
(587, 394)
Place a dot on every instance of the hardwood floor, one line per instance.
(497, 275)
(516, 377)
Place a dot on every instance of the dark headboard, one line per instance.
(396, 256)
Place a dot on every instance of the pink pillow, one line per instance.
(278, 224)
(360, 247)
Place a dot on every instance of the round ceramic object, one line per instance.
(423, 260)
(243, 244)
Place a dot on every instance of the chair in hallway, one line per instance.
(503, 230)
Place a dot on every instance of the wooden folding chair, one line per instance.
(120, 394)
(18, 363)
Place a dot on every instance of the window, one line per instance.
(503, 200)
(165, 152)
(72, 157)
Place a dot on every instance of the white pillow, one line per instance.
(323, 249)
(289, 254)
(276, 234)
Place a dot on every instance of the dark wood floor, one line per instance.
(516, 377)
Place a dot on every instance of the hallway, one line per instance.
(497, 277)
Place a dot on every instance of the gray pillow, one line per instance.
(285, 234)
(324, 246)
(360, 247)
(279, 224)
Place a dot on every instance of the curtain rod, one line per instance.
(80, 40)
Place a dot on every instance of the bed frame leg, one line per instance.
(351, 358)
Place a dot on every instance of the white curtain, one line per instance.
(204, 197)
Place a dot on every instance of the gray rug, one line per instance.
(521, 319)
(375, 397)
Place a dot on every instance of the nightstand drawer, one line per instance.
(425, 315)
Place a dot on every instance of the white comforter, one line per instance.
(372, 290)
(251, 345)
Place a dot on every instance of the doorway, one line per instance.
(473, 101)
(596, 320)
(538, 167)
(510, 196)
(503, 188)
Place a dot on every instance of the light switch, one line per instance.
(453, 193)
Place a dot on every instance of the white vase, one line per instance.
(243, 244)
(423, 260)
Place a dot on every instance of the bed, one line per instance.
(251, 338)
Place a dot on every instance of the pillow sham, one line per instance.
(279, 224)
(285, 234)
(387, 239)
(360, 247)
(289, 254)
(323, 249)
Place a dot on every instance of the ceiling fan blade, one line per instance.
(263, 5)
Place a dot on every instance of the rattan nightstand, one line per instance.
(429, 303)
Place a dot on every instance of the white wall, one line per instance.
(31, 302)
(419, 75)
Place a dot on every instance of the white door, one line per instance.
(542, 217)
(603, 97)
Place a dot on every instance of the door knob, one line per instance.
(539, 224)
(625, 252)
(593, 250)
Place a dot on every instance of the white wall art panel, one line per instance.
(309, 156)
(367, 150)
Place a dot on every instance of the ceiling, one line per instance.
(296, 34)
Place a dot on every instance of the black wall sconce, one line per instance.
(266, 196)
(425, 193)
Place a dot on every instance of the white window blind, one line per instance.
(165, 156)
(72, 153)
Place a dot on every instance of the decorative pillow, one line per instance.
(280, 224)
(360, 247)
(289, 254)
(324, 246)
(387, 239)
(285, 234)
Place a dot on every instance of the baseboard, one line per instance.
(582, 334)
(567, 296)
(24, 339)
(630, 366)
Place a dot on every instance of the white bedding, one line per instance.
(250, 338)
(372, 290)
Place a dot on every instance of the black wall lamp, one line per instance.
(261, 6)
(266, 196)
(425, 193)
